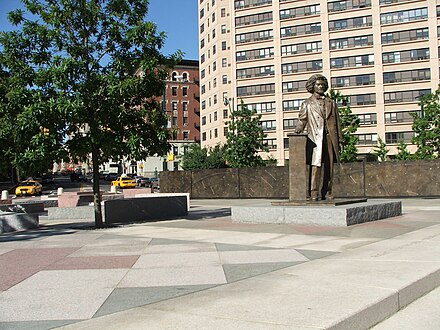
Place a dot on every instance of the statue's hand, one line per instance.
(298, 130)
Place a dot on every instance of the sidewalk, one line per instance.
(205, 272)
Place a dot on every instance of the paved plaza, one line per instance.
(206, 272)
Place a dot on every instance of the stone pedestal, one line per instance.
(338, 215)
(73, 199)
(297, 167)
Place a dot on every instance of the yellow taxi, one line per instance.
(124, 182)
(29, 187)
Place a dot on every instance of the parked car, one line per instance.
(47, 179)
(143, 182)
(111, 176)
(29, 187)
(155, 183)
(124, 182)
(103, 174)
(78, 177)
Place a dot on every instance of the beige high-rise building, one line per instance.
(383, 54)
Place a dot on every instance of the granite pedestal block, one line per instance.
(71, 213)
(140, 209)
(12, 221)
(341, 215)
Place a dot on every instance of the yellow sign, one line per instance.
(170, 157)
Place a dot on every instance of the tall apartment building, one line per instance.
(383, 54)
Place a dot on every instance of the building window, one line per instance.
(174, 91)
(225, 131)
(253, 36)
(351, 61)
(239, 4)
(397, 137)
(223, 29)
(185, 121)
(308, 47)
(224, 79)
(289, 123)
(185, 106)
(292, 105)
(223, 12)
(350, 23)
(203, 104)
(404, 16)
(204, 120)
(299, 12)
(348, 5)
(215, 133)
(407, 35)
(224, 46)
(174, 106)
(268, 125)
(358, 80)
(294, 86)
(400, 116)
(185, 91)
(253, 19)
(351, 42)
(298, 30)
(204, 136)
(262, 71)
(405, 96)
(367, 139)
(262, 107)
(202, 28)
(254, 54)
(203, 89)
(270, 143)
(256, 90)
(405, 76)
(368, 119)
(406, 56)
(363, 99)
(224, 62)
(315, 65)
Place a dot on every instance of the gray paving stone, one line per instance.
(238, 247)
(35, 325)
(314, 254)
(126, 298)
(237, 272)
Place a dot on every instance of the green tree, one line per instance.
(381, 150)
(426, 127)
(197, 158)
(245, 138)
(349, 126)
(403, 152)
(93, 69)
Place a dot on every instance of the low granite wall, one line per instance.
(418, 178)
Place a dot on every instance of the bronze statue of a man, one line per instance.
(320, 118)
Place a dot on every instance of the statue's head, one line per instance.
(310, 84)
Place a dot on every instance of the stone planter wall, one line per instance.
(419, 178)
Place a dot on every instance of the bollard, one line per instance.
(59, 191)
(5, 195)
(113, 189)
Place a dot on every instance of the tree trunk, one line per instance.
(96, 191)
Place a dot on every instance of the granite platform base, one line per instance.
(339, 215)
(12, 221)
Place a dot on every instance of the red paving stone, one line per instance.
(19, 264)
(94, 262)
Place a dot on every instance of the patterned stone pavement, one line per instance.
(64, 273)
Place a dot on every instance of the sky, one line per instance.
(178, 18)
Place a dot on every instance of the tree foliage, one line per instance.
(426, 127)
(403, 152)
(89, 70)
(349, 126)
(381, 150)
(197, 158)
(245, 138)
